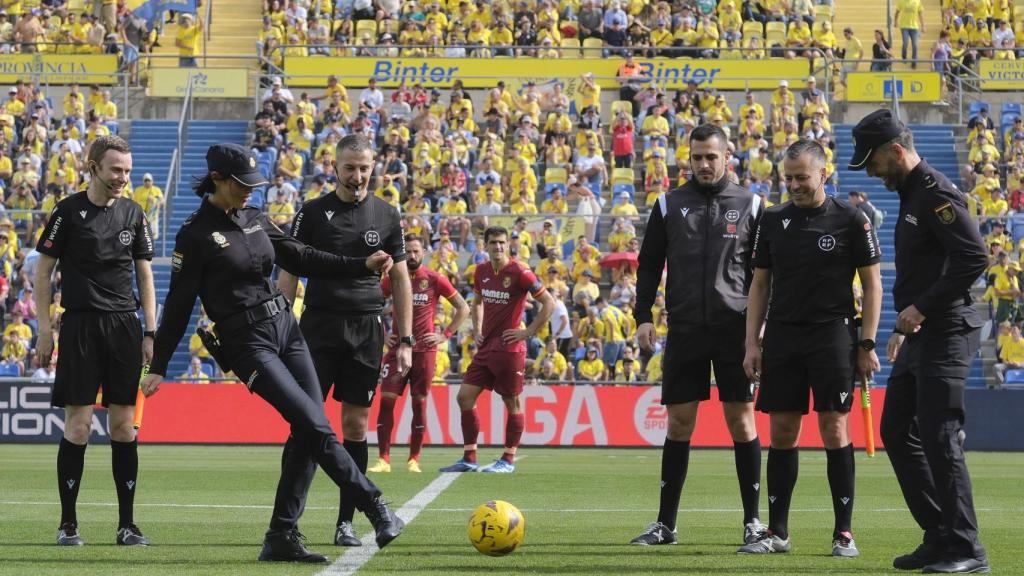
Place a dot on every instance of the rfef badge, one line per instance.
(945, 213)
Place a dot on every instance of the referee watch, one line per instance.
(866, 344)
(407, 340)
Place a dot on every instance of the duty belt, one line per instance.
(258, 313)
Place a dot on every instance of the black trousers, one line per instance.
(272, 359)
(922, 427)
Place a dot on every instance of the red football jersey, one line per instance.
(427, 287)
(504, 296)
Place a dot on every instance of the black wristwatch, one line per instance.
(408, 340)
(866, 344)
(149, 334)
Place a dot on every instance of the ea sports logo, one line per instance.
(826, 243)
(125, 237)
(651, 418)
(372, 238)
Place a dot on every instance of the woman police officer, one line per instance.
(225, 253)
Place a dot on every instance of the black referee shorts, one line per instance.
(800, 358)
(347, 353)
(691, 352)
(98, 350)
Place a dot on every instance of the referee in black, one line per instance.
(225, 253)
(939, 254)
(342, 322)
(703, 231)
(98, 236)
(805, 255)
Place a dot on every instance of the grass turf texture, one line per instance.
(206, 508)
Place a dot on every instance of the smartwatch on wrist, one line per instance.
(866, 344)
(407, 340)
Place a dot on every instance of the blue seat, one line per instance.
(9, 370)
(209, 369)
(975, 108)
(553, 186)
(618, 189)
(830, 190)
(1011, 109)
(1014, 377)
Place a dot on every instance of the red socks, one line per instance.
(514, 425)
(385, 425)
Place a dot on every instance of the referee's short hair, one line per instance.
(355, 143)
(494, 231)
(809, 147)
(98, 148)
(707, 131)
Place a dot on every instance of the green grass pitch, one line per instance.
(206, 509)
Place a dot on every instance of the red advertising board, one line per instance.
(555, 416)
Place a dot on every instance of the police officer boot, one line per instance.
(927, 553)
(287, 546)
(385, 523)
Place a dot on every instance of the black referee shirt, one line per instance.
(226, 259)
(97, 247)
(354, 229)
(813, 254)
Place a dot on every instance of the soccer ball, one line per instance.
(496, 528)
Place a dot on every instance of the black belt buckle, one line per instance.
(271, 308)
(212, 344)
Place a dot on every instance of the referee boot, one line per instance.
(656, 534)
(843, 546)
(130, 535)
(768, 544)
(68, 535)
(385, 523)
(959, 566)
(287, 546)
(925, 554)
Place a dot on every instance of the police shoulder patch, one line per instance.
(177, 259)
(945, 213)
(191, 217)
(929, 180)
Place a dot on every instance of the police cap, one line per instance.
(873, 131)
(235, 161)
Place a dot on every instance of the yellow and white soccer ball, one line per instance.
(496, 528)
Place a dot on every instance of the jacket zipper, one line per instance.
(704, 263)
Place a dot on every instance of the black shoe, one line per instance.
(656, 534)
(287, 547)
(959, 566)
(925, 554)
(385, 523)
(130, 535)
(68, 535)
(345, 535)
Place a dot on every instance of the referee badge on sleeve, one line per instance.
(945, 213)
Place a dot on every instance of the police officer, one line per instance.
(703, 231)
(805, 255)
(224, 253)
(939, 254)
(342, 321)
(98, 236)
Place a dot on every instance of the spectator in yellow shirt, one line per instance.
(148, 196)
(281, 211)
(195, 373)
(591, 368)
(550, 352)
(187, 40)
(555, 204)
(1011, 356)
(910, 19)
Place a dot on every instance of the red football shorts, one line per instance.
(419, 377)
(497, 370)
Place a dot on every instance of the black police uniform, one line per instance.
(227, 259)
(939, 255)
(810, 338)
(101, 336)
(342, 322)
(704, 234)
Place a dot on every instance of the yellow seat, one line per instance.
(824, 12)
(775, 33)
(753, 28)
(623, 105)
(623, 176)
(556, 176)
(573, 47)
(367, 28)
(592, 48)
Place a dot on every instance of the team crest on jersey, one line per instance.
(125, 237)
(372, 238)
(732, 216)
(424, 284)
(506, 281)
(826, 243)
(220, 240)
(945, 213)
